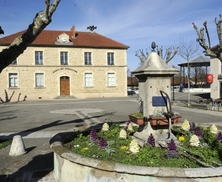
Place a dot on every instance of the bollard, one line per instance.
(17, 147)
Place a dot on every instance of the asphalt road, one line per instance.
(60, 115)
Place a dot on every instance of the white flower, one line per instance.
(122, 134)
(186, 125)
(213, 129)
(130, 127)
(194, 141)
(105, 127)
(134, 146)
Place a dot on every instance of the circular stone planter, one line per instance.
(69, 166)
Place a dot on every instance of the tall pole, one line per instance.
(188, 66)
(173, 88)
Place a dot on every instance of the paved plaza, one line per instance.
(38, 121)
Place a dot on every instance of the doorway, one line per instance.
(64, 85)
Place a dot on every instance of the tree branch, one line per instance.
(17, 47)
(169, 57)
(208, 37)
(201, 40)
(218, 25)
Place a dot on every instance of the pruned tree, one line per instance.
(17, 47)
(169, 54)
(215, 52)
(141, 55)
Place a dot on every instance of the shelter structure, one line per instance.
(197, 62)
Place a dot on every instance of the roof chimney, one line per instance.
(73, 31)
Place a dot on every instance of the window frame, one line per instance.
(14, 83)
(64, 57)
(112, 82)
(38, 57)
(110, 58)
(88, 83)
(88, 58)
(42, 83)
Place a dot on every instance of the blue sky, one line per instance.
(136, 23)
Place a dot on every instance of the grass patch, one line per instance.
(4, 143)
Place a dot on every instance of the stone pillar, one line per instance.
(215, 69)
(154, 75)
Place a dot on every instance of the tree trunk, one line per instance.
(17, 47)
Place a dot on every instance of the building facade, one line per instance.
(216, 85)
(66, 63)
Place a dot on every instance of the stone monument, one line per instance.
(154, 77)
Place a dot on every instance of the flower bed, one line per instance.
(86, 163)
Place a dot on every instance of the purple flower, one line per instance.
(172, 150)
(151, 140)
(198, 132)
(93, 135)
(171, 146)
(102, 143)
(128, 122)
(219, 137)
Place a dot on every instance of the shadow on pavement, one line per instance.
(40, 166)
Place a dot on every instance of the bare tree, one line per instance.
(169, 54)
(17, 47)
(216, 51)
(141, 55)
(187, 50)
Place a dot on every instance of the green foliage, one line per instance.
(219, 149)
(208, 136)
(118, 151)
(208, 151)
(4, 143)
(138, 114)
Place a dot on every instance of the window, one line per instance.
(64, 58)
(14, 62)
(110, 58)
(111, 79)
(88, 58)
(13, 80)
(39, 80)
(38, 58)
(88, 79)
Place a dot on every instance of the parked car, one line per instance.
(136, 90)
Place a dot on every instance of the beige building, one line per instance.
(66, 63)
(216, 85)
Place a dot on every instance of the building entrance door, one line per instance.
(64, 85)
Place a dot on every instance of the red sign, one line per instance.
(210, 78)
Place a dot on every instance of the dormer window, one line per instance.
(63, 39)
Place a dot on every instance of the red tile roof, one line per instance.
(81, 39)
